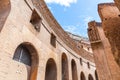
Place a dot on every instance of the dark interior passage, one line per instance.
(65, 75)
(74, 70)
(82, 76)
(90, 77)
(51, 70)
(96, 75)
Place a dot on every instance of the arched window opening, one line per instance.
(65, 75)
(53, 40)
(88, 64)
(96, 75)
(74, 70)
(82, 76)
(81, 46)
(26, 53)
(5, 7)
(81, 61)
(36, 20)
(90, 77)
(88, 48)
(51, 70)
(22, 55)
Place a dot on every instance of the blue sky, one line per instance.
(74, 15)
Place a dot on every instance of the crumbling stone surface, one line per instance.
(117, 2)
(109, 14)
(103, 54)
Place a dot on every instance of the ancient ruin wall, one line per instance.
(5, 7)
(117, 2)
(102, 53)
(41, 6)
(110, 16)
(35, 37)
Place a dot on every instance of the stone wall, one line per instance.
(110, 23)
(104, 60)
(47, 61)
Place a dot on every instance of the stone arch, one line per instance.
(96, 75)
(27, 54)
(90, 77)
(5, 7)
(65, 71)
(82, 76)
(51, 70)
(74, 70)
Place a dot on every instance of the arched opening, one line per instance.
(81, 61)
(82, 76)
(88, 64)
(96, 75)
(25, 53)
(22, 55)
(74, 70)
(90, 77)
(4, 11)
(51, 70)
(65, 75)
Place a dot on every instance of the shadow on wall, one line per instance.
(4, 11)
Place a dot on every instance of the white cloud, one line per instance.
(76, 29)
(86, 20)
(70, 28)
(65, 3)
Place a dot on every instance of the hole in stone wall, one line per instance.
(82, 76)
(36, 20)
(53, 40)
(90, 77)
(88, 64)
(51, 70)
(74, 70)
(96, 75)
(88, 48)
(81, 46)
(65, 75)
(81, 61)
(105, 19)
(119, 15)
(89, 29)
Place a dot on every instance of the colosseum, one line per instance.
(33, 45)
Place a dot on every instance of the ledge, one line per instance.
(95, 42)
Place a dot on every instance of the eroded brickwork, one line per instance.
(110, 23)
(106, 50)
(117, 2)
(105, 63)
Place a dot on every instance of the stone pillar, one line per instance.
(106, 66)
(110, 16)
